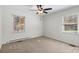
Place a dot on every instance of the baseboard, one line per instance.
(20, 39)
(70, 44)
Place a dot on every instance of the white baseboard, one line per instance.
(19, 39)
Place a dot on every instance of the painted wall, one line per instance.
(33, 24)
(0, 25)
(53, 26)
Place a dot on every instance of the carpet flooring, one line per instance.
(38, 45)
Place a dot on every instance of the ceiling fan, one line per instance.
(40, 10)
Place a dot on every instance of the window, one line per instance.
(70, 23)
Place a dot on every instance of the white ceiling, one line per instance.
(55, 8)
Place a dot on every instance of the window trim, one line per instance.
(64, 23)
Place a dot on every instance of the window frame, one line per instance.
(65, 23)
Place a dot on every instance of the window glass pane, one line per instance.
(70, 27)
(71, 19)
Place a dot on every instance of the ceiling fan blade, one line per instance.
(48, 9)
(39, 6)
(45, 12)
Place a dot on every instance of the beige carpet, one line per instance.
(38, 45)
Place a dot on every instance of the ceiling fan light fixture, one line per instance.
(39, 12)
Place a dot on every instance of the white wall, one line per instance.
(53, 26)
(0, 25)
(33, 24)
